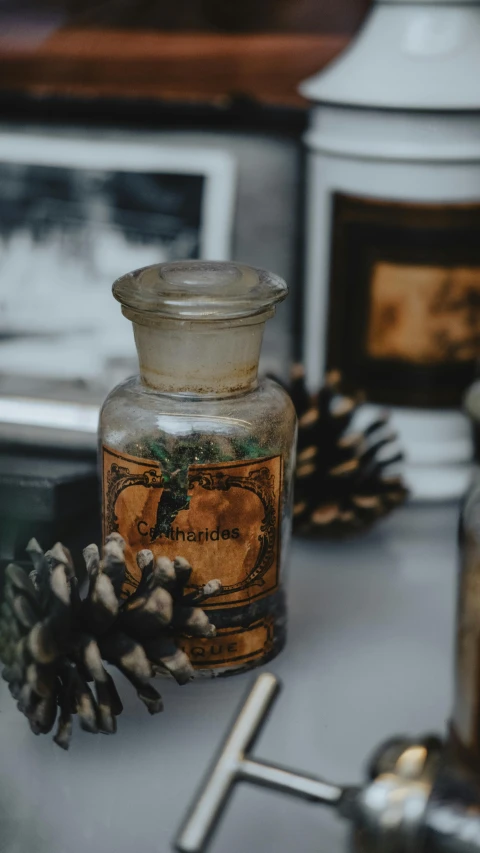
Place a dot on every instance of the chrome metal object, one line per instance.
(388, 813)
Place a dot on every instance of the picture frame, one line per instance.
(78, 209)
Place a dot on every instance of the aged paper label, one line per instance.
(227, 524)
(231, 646)
(404, 301)
(424, 314)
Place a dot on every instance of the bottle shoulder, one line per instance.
(133, 395)
(264, 418)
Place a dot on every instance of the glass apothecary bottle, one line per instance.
(198, 453)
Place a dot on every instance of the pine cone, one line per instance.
(341, 485)
(53, 641)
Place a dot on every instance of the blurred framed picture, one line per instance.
(75, 213)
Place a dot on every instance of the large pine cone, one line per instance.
(53, 640)
(342, 483)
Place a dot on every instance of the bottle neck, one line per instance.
(196, 358)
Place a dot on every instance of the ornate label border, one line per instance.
(262, 483)
(213, 477)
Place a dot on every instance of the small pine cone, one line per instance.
(342, 484)
(54, 641)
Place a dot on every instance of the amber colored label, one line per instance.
(424, 314)
(231, 646)
(404, 302)
(227, 524)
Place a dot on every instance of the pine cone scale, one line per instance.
(41, 644)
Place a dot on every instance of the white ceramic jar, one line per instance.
(393, 224)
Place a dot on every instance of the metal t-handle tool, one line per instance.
(233, 764)
(405, 805)
(421, 794)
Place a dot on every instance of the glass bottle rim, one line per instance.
(199, 290)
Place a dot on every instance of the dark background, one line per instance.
(295, 16)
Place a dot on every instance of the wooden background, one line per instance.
(204, 51)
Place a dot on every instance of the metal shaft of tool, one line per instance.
(281, 779)
(232, 765)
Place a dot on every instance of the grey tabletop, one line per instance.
(368, 655)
